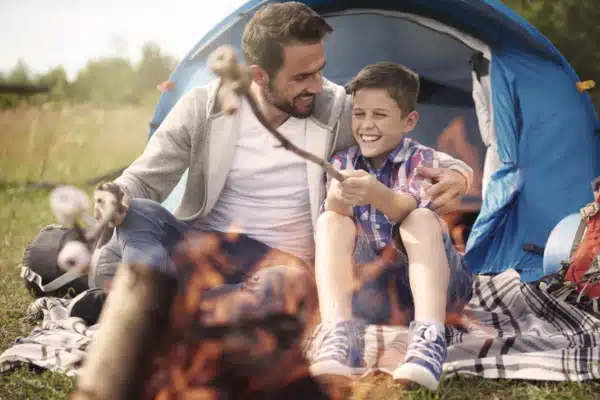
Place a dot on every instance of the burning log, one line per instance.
(235, 82)
(129, 329)
(233, 345)
(159, 339)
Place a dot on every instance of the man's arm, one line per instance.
(447, 161)
(345, 139)
(155, 173)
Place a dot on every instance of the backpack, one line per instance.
(39, 267)
(577, 281)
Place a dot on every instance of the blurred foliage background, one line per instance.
(108, 82)
(574, 28)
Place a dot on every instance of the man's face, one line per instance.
(292, 90)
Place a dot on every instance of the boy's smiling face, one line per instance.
(378, 123)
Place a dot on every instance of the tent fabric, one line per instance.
(545, 147)
(549, 153)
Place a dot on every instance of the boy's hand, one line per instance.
(358, 188)
(334, 201)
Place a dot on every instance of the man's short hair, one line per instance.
(401, 83)
(277, 25)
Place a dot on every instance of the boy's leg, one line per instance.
(339, 353)
(439, 282)
(428, 269)
(335, 238)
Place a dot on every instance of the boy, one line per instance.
(380, 214)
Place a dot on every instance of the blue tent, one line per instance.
(482, 62)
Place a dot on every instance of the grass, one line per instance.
(79, 143)
(69, 145)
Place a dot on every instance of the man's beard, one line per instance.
(287, 106)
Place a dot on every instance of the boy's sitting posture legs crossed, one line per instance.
(384, 197)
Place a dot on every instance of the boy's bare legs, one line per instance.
(429, 275)
(428, 269)
(339, 355)
(335, 237)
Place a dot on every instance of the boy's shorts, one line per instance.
(372, 302)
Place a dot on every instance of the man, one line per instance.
(239, 180)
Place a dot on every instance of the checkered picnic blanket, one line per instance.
(514, 331)
(59, 344)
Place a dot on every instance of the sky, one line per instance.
(45, 34)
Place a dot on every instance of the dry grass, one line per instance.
(69, 144)
(76, 144)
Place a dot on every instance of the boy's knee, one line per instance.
(331, 219)
(422, 219)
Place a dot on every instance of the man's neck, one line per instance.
(273, 115)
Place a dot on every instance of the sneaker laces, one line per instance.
(426, 349)
(336, 344)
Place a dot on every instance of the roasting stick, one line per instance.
(235, 82)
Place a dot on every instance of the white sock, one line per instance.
(435, 322)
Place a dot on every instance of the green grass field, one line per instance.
(76, 144)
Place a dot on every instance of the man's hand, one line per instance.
(111, 202)
(449, 186)
(358, 187)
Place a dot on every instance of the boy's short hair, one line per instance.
(277, 25)
(401, 83)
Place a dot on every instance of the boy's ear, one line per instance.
(411, 121)
(259, 75)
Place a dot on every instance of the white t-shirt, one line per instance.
(266, 192)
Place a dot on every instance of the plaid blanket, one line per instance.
(59, 344)
(514, 331)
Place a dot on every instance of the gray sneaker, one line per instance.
(424, 358)
(339, 353)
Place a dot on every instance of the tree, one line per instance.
(572, 25)
(56, 79)
(107, 81)
(154, 68)
(19, 74)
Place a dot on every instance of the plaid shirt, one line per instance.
(398, 172)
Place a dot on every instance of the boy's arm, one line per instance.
(393, 204)
(333, 203)
(154, 174)
(408, 191)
